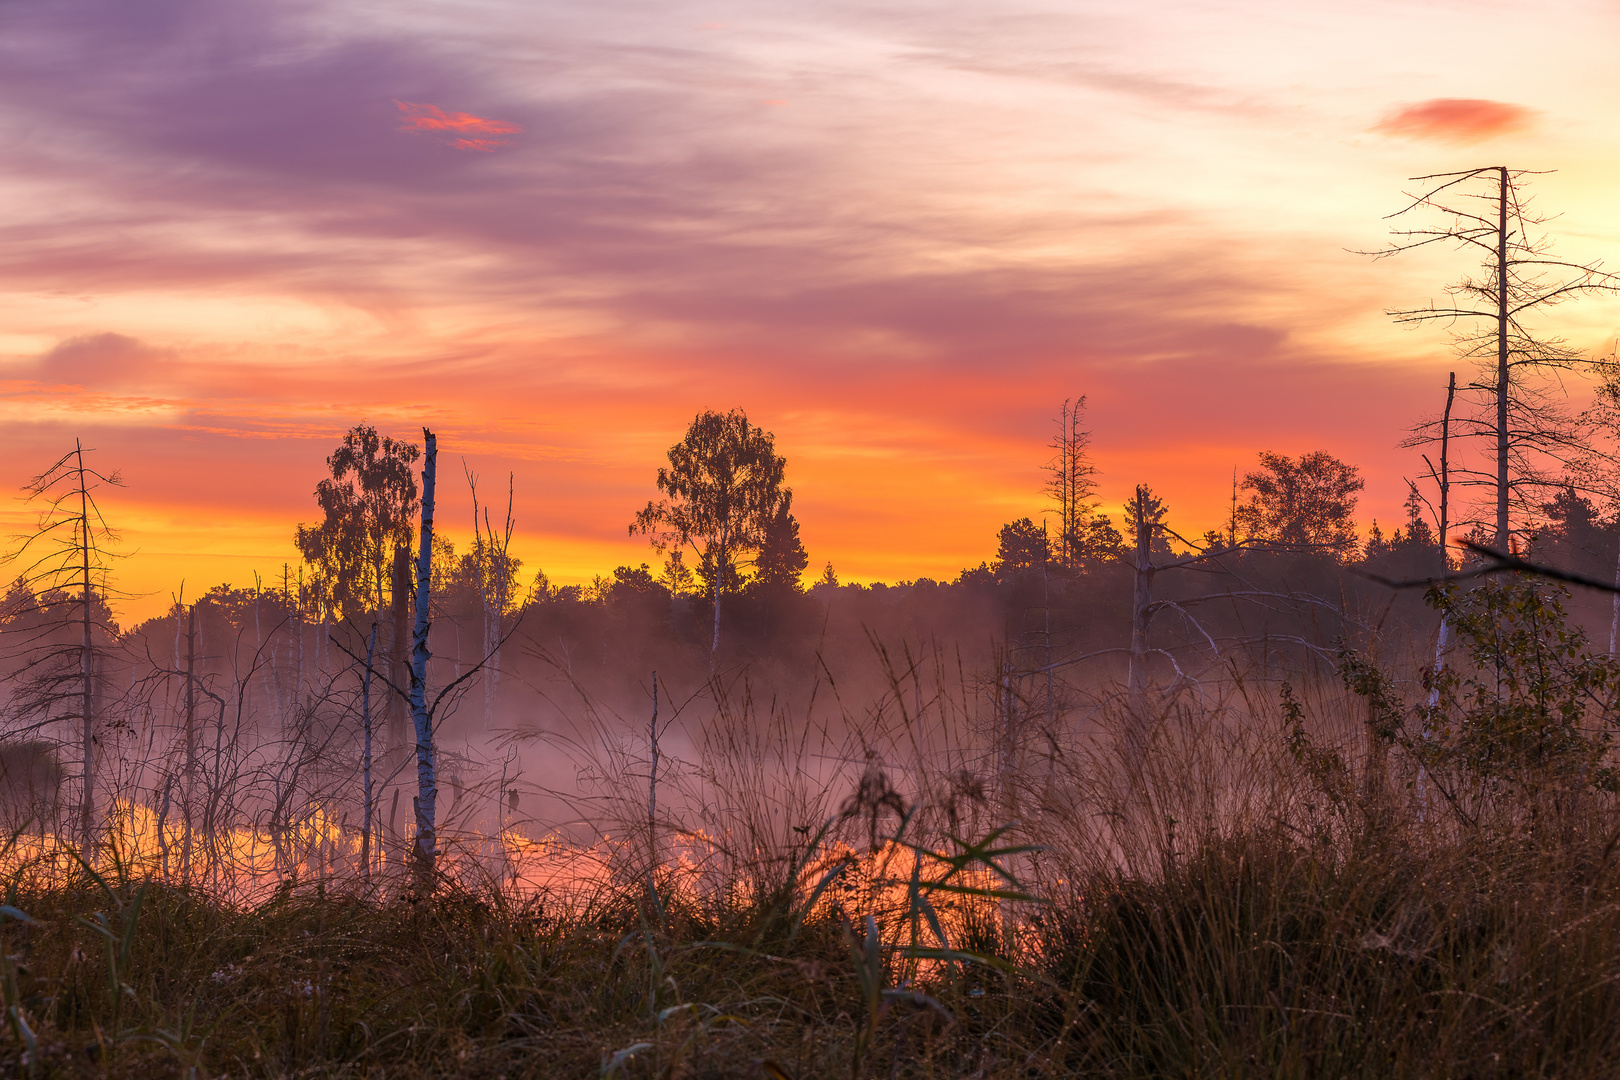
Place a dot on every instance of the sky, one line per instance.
(899, 235)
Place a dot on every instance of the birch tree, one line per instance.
(425, 851)
(367, 505)
(723, 486)
(360, 550)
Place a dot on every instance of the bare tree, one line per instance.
(424, 711)
(1072, 486)
(365, 754)
(1441, 476)
(424, 851)
(1150, 555)
(1144, 514)
(1518, 408)
(65, 554)
(496, 572)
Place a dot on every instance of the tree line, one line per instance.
(382, 613)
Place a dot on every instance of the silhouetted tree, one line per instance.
(1597, 469)
(1073, 486)
(676, 576)
(1022, 547)
(782, 558)
(368, 504)
(1419, 542)
(1084, 537)
(1412, 551)
(1516, 394)
(724, 483)
(1308, 502)
(1144, 517)
(361, 549)
(63, 566)
(495, 569)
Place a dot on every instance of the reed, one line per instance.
(1214, 905)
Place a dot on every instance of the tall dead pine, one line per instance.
(1072, 486)
(1518, 410)
(64, 554)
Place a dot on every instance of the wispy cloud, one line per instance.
(1460, 120)
(421, 117)
(251, 225)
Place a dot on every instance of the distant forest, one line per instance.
(386, 645)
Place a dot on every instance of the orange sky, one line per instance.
(898, 235)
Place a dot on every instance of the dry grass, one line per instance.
(1212, 910)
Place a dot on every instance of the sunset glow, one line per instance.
(899, 236)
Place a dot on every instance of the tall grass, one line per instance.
(1242, 899)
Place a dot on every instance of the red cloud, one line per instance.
(421, 117)
(1455, 119)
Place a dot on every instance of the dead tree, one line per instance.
(1072, 487)
(652, 790)
(365, 754)
(65, 555)
(493, 566)
(424, 851)
(1145, 517)
(1442, 482)
(1148, 511)
(188, 787)
(1516, 394)
(425, 713)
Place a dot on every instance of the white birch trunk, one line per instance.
(425, 849)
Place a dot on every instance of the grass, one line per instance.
(1216, 910)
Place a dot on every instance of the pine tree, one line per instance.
(782, 558)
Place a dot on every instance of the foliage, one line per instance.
(1022, 547)
(634, 589)
(1532, 703)
(1409, 552)
(1574, 534)
(1156, 511)
(368, 505)
(782, 558)
(1595, 466)
(723, 486)
(474, 578)
(1094, 542)
(1305, 502)
(677, 577)
(1526, 706)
